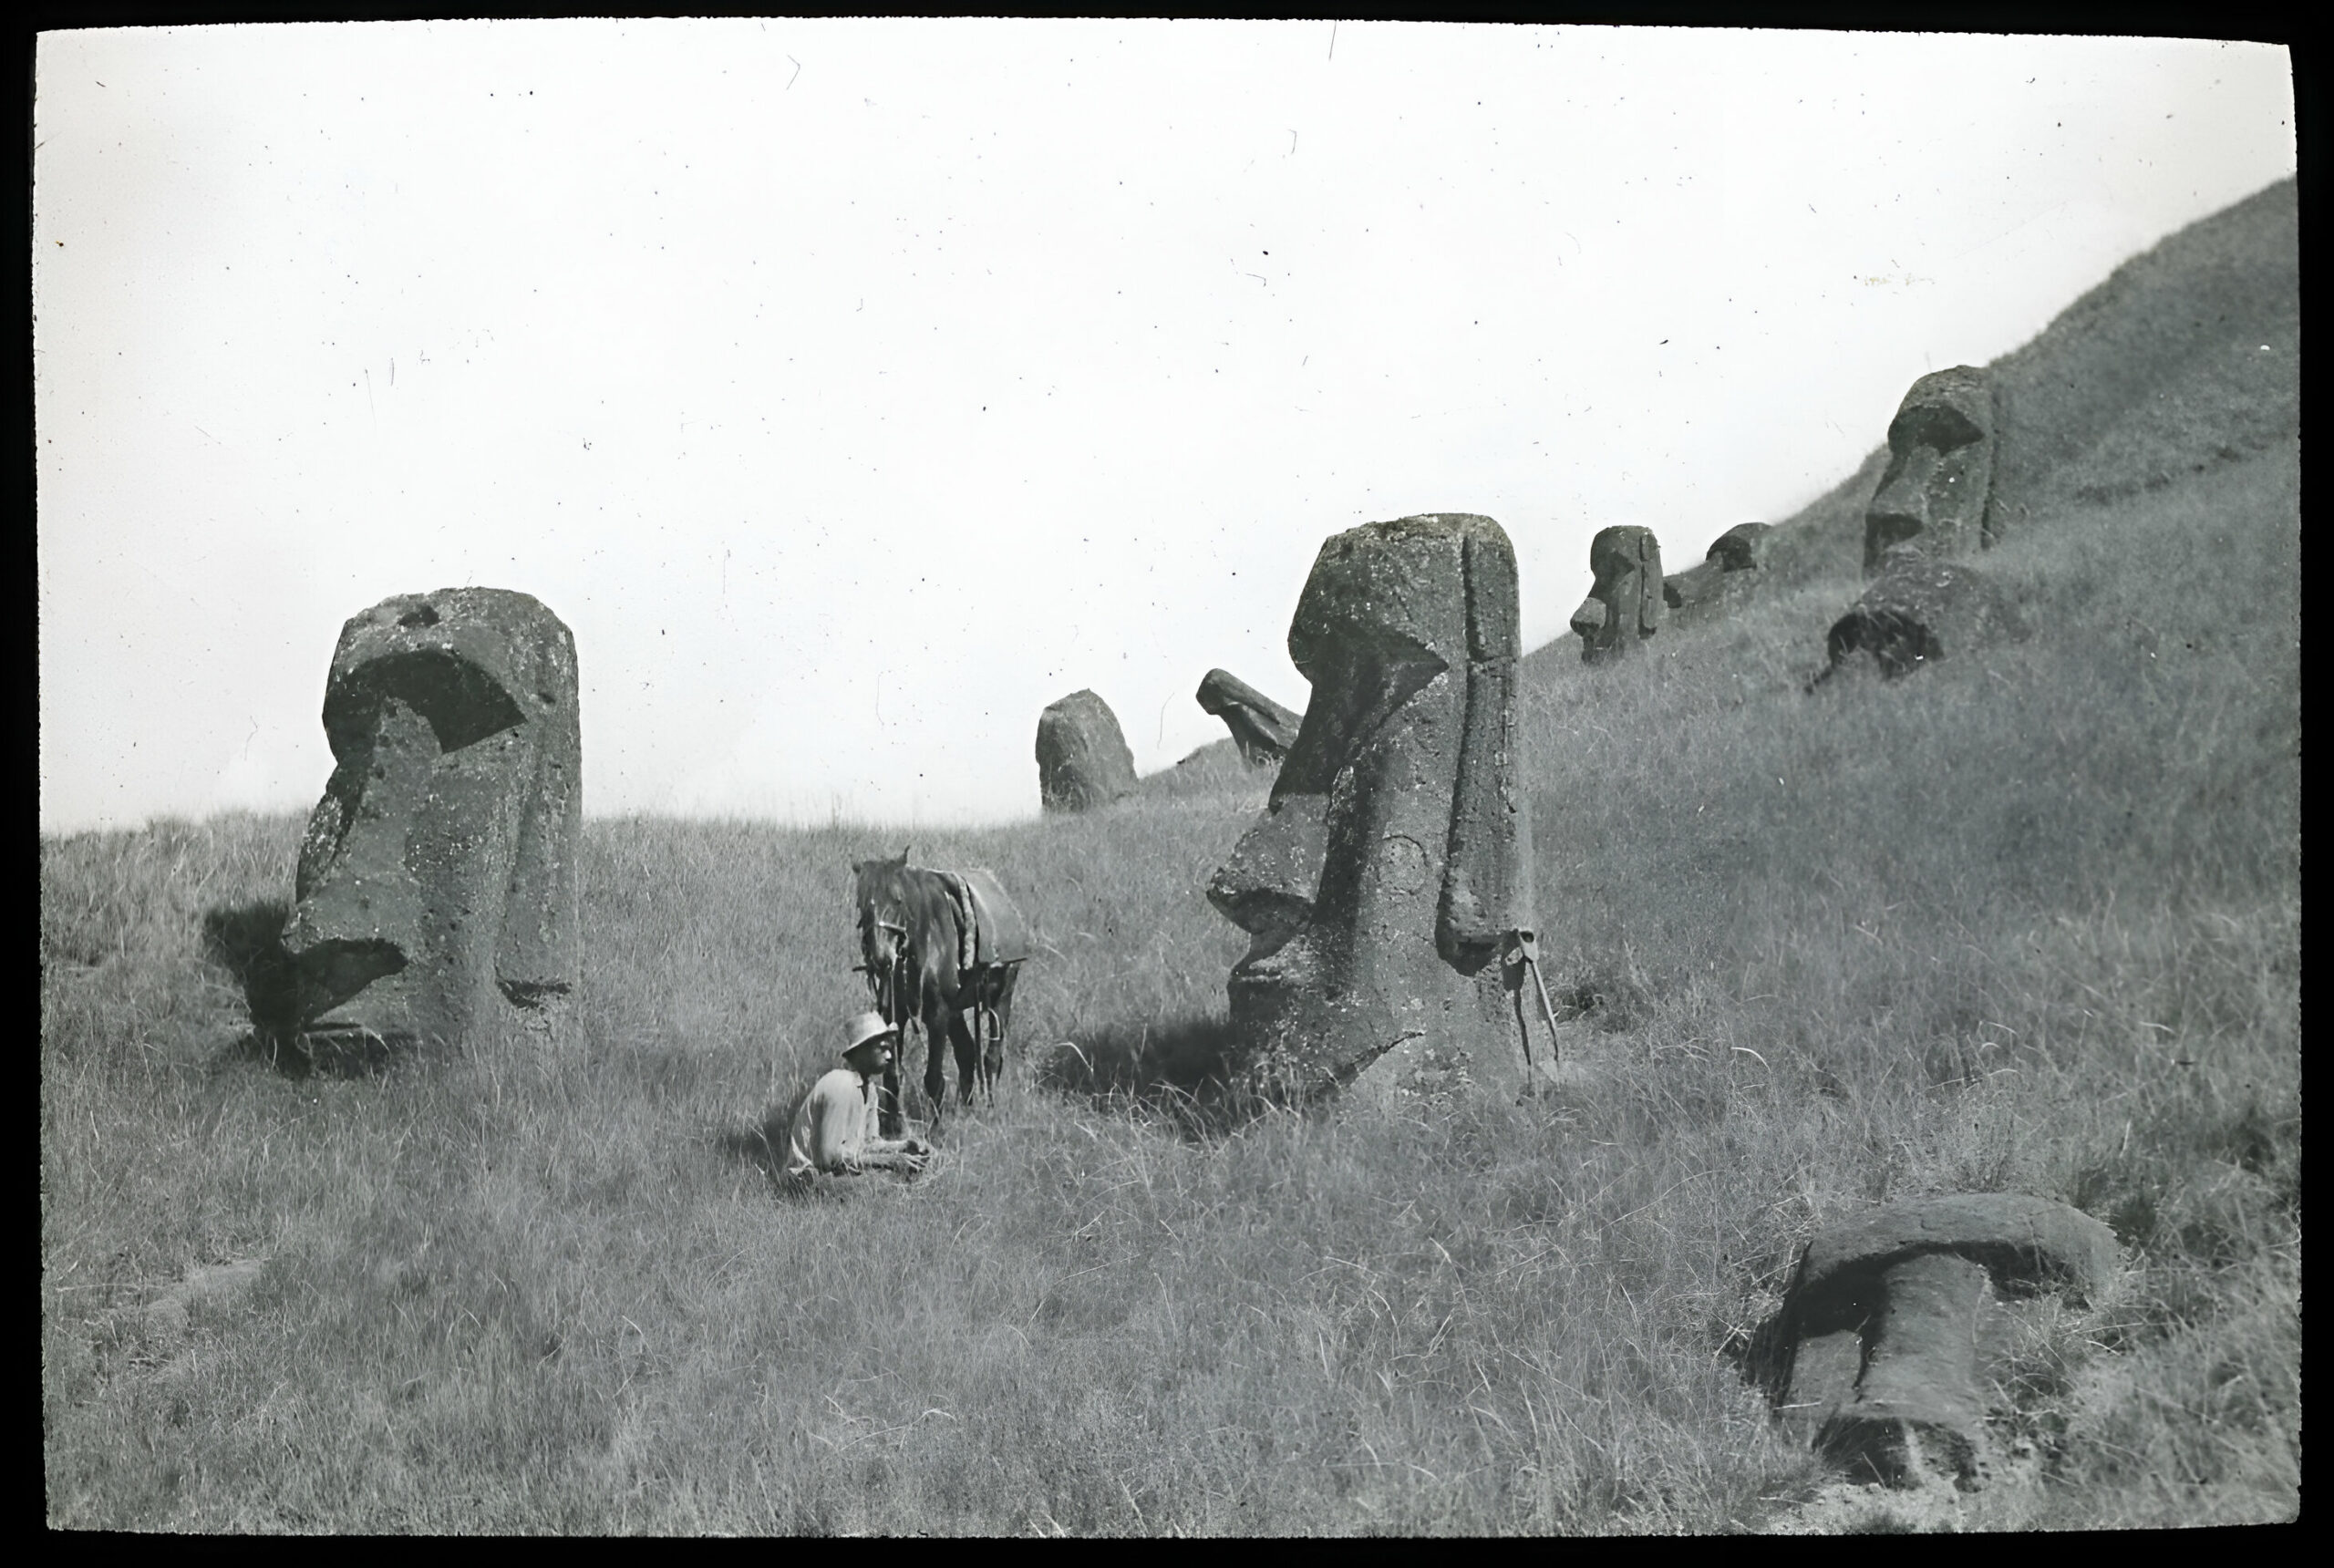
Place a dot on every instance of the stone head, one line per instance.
(1940, 477)
(1741, 547)
(1624, 604)
(1261, 728)
(1391, 864)
(438, 873)
(1721, 577)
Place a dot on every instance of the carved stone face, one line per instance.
(1261, 728)
(1940, 473)
(1721, 579)
(438, 873)
(1624, 604)
(1393, 860)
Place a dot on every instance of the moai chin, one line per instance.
(438, 880)
(1624, 604)
(1940, 477)
(1387, 874)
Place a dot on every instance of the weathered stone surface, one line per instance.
(1082, 757)
(1919, 610)
(2027, 1243)
(1935, 495)
(1875, 1349)
(1391, 867)
(1624, 604)
(1700, 592)
(438, 877)
(1742, 548)
(1261, 728)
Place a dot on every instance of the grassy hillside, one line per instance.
(2027, 921)
(2188, 357)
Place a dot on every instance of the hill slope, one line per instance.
(2187, 356)
(2027, 921)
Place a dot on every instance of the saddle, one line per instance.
(992, 930)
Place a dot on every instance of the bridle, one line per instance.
(887, 981)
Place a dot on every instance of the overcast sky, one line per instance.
(855, 388)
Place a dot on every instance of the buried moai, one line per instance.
(1918, 610)
(437, 880)
(1936, 491)
(1389, 876)
(1624, 604)
(1261, 728)
(1082, 757)
(1725, 574)
(1875, 1356)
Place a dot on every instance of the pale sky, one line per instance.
(854, 389)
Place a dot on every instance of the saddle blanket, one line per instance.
(990, 924)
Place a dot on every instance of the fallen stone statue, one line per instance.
(1916, 611)
(1389, 876)
(438, 879)
(1876, 1350)
(1261, 728)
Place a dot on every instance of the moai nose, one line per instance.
(1268, 886)
(359, 915)
(1589, 619)
(1900, 509)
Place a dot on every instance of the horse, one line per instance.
(912, 945)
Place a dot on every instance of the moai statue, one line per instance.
(1623, 603)
(438, 879)
(1391, 871)
(1701, 592)
(1919, 610)
(1876, 1354)
(1082, 757)
(1261, 728)
(1940, 477)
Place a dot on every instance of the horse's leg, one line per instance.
(968, 1057)
(935, 1081)
(1002, 1005)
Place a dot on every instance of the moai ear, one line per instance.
(1487, 857)
(1648, 584)
(538, 953)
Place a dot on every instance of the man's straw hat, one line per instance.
(866, 1027)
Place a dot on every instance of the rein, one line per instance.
(890, 985)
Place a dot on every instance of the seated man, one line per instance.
(834, 1127)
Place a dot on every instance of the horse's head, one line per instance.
(879, 889)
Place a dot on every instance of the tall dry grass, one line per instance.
(2027, 921)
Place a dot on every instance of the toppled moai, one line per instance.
(1919, 610)
(1261, 728)
(437, 878)
(1876, 1355)
(1390, 871)
(1724, 577)
(1624, 604)
(1082, 757)
(1936, 494)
